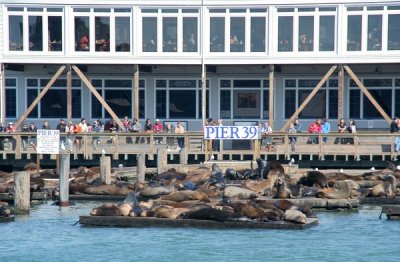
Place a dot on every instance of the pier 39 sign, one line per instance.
(231, 132)
(48, 141)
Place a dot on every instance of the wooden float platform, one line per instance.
(121, 221)
(96, 197)
(314, 202)
(380, 200)
(7, 219)
(38, 196)
(392, 211)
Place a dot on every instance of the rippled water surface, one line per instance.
(49, 234)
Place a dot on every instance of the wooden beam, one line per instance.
(136, 91)
(40, 96)
(98, 96)
(309, 97)
(368, 94)
(2, 93)
(271, 96)
(69, 93)
(203, 94)
(340, 92)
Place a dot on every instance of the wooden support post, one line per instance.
(141, 167)
(64, 179)
(162, 160)
(136, 91)
(256, 148)
(340, 92)
(22, 191)
(98, 96)
(368, 94)
(309, 97)
(39, 97)
(105, 169)
(69, 93)
(203, 94)
(221, 149)
(183, 156)
(2, 93)
(151, 147)
(271, 96)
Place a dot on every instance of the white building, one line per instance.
(239, 43)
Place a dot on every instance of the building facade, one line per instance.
(226, 48)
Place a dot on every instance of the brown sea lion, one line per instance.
(107, 190)
(125, 209)
(281, 190)
(387, 188)
(296, 216)
(108, 209)
(262, 187)
(283, 204)
(276, 165)
(238, 193)
(186, 195)
(167, 212)
(148, 191)
(342, 190)
(171, 174)
(342, 176)
(313, 178)
(210, 214)
(199, 175)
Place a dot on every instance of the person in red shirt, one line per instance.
(158, 128)
(315, 127)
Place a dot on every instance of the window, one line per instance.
(102, 30)
(306, 33)
(54, 102)
(297, 90)
(11, 98)
(170, 30)
(179, 98)
(285, 34)
(354, 33)
(237, 39)
(29, 29)
(258, 34)
(217, 34)
(118, 95)
(394, 32)
(374, 33)
(327, 33)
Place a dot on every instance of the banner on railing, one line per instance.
(48, 141)
(231, 132)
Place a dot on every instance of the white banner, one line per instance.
(231, 132)
(48, 141)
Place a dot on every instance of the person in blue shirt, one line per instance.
(326, 128)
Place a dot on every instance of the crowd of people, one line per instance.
(71, 140)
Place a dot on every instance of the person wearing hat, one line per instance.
(158, 128)
(11, 141)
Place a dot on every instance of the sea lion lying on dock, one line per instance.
(313, 178)
(238, 193)
(148, 191)
(209, 213)
(387, 188)
(186, 195)
(342, 190)
(296, 216)
(107, 209)
(108, 190)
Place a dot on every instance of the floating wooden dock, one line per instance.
(121, 221)
(392, 212)
(7, 219)
(380, 201)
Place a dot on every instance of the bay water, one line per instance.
(50, 233)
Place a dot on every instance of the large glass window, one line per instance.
(306, 33)
(149, 34)
(11, 98)
(170, 34)
(354, 25)
(326, 33)
(258, 35)
(354, 104)
(217, 34)
(35, 33)
(237, 34)
(82, 33)
(16, 33)
(190, 35)
(374, 33)
(393, 32)
(102, 33)
(55, 36)
(122, 34)
(384, 99)
(285, 33)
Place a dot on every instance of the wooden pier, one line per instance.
(121, 221)
(392, 211)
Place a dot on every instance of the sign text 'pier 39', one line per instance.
(231, 132)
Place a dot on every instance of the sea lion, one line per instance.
(186, 195)
(167, 212)
(91, 176)
(231, 174)
(313, 178)
(170, 174)
(387, 188)
(281, 190)
(263, 168)
(342, 190)
(296, 216)
(209, 213)
(4, 209)
(108, 209)
(276, 165)
(238, 193)
(107, 190)
(199, 175)
(125, 209)
(148, 191)
(262, 187)
(217, 178)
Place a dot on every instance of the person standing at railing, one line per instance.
(32, 140)
(2, 129)
(395, 128)
(96, 128)
(10, 140)
(351, 128)
(157, 129)
(314, 128)
(136, 127)
(292, 139)
(169, 129)
(326, 128)
(148, 128)
(298, 126)
(46, 125)
(70, 135)
(266, 130)
(78, 139)
(61, 127)
(24, 139)
(179, 129)
(341, 129)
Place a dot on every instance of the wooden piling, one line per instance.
(64, 179)
(22, 191)
(183, 158)
(141, 167)
(162, 160)
(105, 169)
